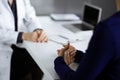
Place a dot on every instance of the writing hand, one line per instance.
(69, 56)
(68, 52)
(70, 49)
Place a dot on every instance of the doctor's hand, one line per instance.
(36, 36)
(30, 36)
(41, 36)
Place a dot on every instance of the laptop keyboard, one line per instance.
(77, 27)
(82, 27)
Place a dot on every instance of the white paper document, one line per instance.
(61, 39)
(64, 17)
(57, 39)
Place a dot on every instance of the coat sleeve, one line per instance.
(8, 37)
(97, 57)
(31, 20)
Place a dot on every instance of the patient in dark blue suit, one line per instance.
(101, 61)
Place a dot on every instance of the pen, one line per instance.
(63, 37)
(68, 44)
(56, 42)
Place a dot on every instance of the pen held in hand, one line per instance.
(68, 44)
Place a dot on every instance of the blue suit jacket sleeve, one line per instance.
(97, 57)
(79, 56)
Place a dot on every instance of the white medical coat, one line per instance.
(27, 21)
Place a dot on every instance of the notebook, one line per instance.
(91, 16)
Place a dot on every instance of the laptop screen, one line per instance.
(91, 15)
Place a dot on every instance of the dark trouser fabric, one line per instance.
(22, 66)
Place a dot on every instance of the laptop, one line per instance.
(91, 16)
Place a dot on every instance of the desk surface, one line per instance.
(44, 54)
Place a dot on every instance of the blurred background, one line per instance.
(46, 7)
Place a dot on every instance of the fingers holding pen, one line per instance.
(71, 50)
(68, 52)
(70, 47)
(68, 58)
(72, 54)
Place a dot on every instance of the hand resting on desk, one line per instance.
(36, 36)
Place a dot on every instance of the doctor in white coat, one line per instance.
(28, 29)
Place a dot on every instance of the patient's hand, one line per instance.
(61, 52)
(70, 49)
(68, 53)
